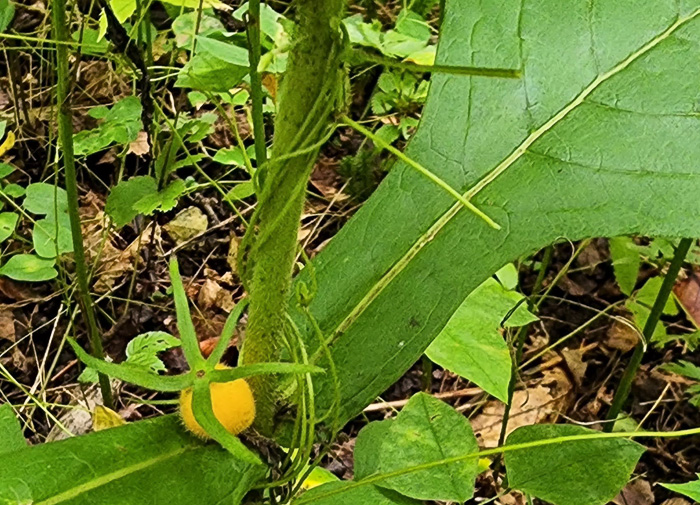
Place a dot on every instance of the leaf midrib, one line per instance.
(109, 477)
(515, 155)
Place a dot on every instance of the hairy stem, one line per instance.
(623, 390)
(305, 103)
(65, 135)
(256, 91)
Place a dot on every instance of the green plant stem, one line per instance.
(520, 341)
(506, 73)
(422, 170)
(256, 91)
(65, 134)
(625, 386)
(305, 103)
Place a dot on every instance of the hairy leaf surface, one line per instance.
(140, 462)
(600, 137)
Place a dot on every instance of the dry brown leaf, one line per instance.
(303, 233)
(224, 300)
(538, 404)
(78, 420)
(7, 325)
(16, 291)
(21, 362)
(622, 335)
(676, 500)
(688, 293)
(206, 298)
(140, 146)
(513, 498)
(187, 224)
(269, 80)
(232, 256)
(574, 361)
(207, 346)
(637, 492)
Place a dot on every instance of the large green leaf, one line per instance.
(138, 463)
(585, 472)
(600, 137)
(11, 437)
(425, 431)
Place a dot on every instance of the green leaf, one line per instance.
(91, 43)
(226, 51)
(471, 344)
(11, 436)
(52, 237)
(241, 191)
(163, 200)
(230, 156)
(43, 198)
(122, 198)
(689, 489)
(14, 190)
(195, 4)
(5, 169)
(185, 24)
(123, 9)
(102, 25)
(188, 335)
(413, 25)
(626, 262)
(120, 125)
(429, 430)
(368, 447)
(243, 371)
(204, 415)
(508, 276)
(8, 223)
(122, 465)
(650, 291)
(684, 368)
(585, 472)
(270, 19)
(129, 372)
(143, 349)
(30, 268)
(207, 72)
(363, 495)
(593, 140)
(640, 314)
(7, 12)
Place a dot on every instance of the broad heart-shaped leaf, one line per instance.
(361, 495)
(586, 472)
(429, 430)
(154, 461)
(52, 236)
(600, 137)
(29, 268)
(471, 345)
(11, 437)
